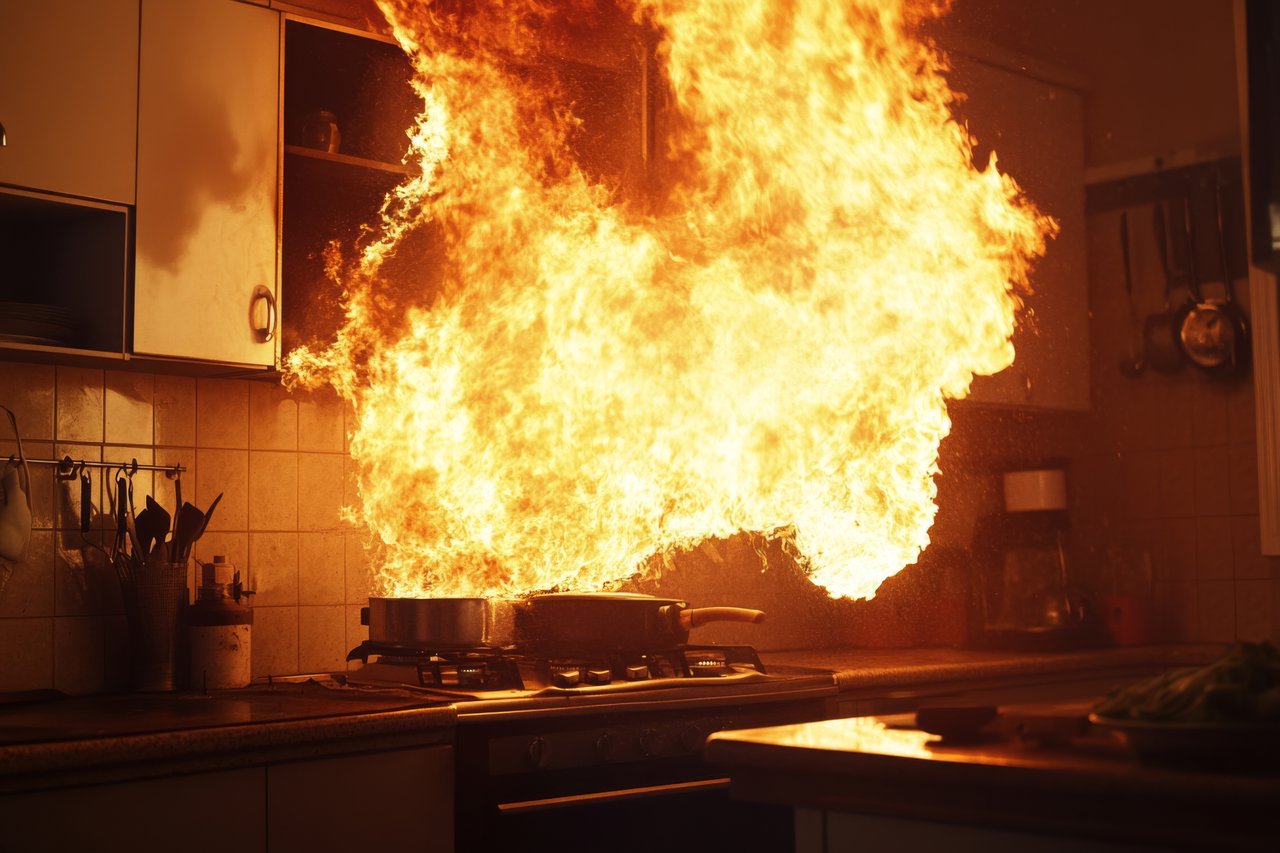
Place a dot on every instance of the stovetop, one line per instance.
(489, 681)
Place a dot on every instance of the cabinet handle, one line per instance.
(4, 137)
(264, 326)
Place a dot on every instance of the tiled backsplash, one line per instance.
(277, 458)
(1169, 468)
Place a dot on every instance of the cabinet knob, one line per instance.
(262, 314)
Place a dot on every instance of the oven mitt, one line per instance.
(15, 502)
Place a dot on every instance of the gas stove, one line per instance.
(486, 679)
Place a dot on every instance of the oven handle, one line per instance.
(613, 796)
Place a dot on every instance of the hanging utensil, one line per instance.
(1132, 364)
(1161, 348)
(1209, 328)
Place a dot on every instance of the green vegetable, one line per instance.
(1243, 685)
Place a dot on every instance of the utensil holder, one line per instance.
(156, 622)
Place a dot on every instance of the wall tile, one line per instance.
(222, 413)
(1213, 548)
(356, 632)
(1216, 611)
(1255, 610)
(273, 563)
(115, 652)
(26, 654)
(85, 582)
(29, 591)
(1246, 548)
(1177, 497)
(1178, 552)
(322, 638)
(1243, 462)
(321, 568)
(274, 641)
(1242, 415)
(79, 404)
(175, 411)
(1176, 610)
(320, 421)
(320, 488)
(130, 415)
(273, 417)
(78, 659)
(41, 487)
(350, 421)
(273, 490)
(1164, 411)
(224, 472)
(351, 487)
(359, 580)
(1141, 472)
(1212, 481)
(29, 392)
(1209, 412)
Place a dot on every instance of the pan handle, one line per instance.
(698, 616)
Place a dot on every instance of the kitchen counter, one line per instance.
(86, 740)
(864, 779)
(856, 669)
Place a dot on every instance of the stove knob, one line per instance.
(606, 746)
(637, 672)
(599, 676)
(566, 677)
(540, 753)
(692, 737)
(652, 743)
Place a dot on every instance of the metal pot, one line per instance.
(1216, 332)
(619, 621)
(439, 623)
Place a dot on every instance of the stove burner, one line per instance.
(482, 667)
(492, 668)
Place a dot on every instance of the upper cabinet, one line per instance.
(69, 96)
(1030, 116)
(208, 151)
(348, 107)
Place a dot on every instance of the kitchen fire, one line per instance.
(639, 424)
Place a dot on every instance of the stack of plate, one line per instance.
(27, 323)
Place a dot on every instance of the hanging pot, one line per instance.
(1215, 333)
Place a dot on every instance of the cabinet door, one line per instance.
(208, 155)
(69, 96)
(1037, 133)
(201, 813)
(400, 800)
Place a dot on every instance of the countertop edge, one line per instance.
(55, 764)
(895, 669)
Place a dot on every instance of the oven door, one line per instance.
(616, 782)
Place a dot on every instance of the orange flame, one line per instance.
(584, 381)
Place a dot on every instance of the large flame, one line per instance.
(585, 381)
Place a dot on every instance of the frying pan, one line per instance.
(618, 621)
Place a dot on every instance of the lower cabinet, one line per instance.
(398, 800)
(401, 801)
(200, 813)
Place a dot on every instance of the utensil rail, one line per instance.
(68, 467)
